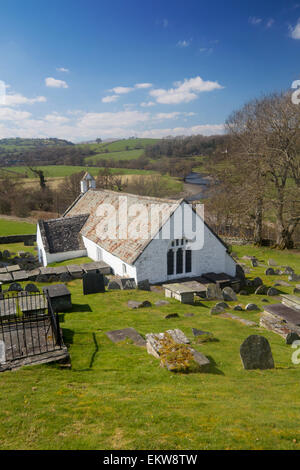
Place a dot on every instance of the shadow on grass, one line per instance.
(81, 308)
(68, 336)
(212, 369)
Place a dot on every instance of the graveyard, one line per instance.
(114, 394)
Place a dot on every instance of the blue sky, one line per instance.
(79, 69)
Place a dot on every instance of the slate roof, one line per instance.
(61, 235)
(127, 249)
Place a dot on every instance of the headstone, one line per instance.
(252, 307)
(296, 290)
(222, 305)
(254, 263)
(6, 254)
(239, 272)
(135, 304)
(272, 292)
(65, 277)
(238, 308)
(171, 315)
(288, 270)
(213, 291)
(93, 283)
(261, 290)
(256, 353)
(257, 282)
(127, 283)
(113, 285)
(202, 336)
(291, 337)
(120, 335)
(216, 310)
(270, 272)
(15, 286)
(229, 294)
(294, 277)
(144, 285)
(31, 288)
(2, 352)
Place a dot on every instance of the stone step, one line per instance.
(292, 301)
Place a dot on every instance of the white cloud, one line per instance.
(254, 20)
(121, 90)
(295, 31)
(183, 43)
(8, 114)
(62, 69)
(205, 129)
(56, 118)
(143, 85)
(14, 99)
(110, 99)
(185, 91)
(147, 104)
(54, 83)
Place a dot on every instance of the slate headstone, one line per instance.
(144, 285)
(261, 290)
(229, 294)
(93, 283)
(120, 335)
(252, 307)
(270, 272)
(15, 286)
(113, 285)
(127, 283)
(272, 292)
(31, 288)
(291, 337)
(256, 353)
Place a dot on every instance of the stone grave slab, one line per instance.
(93, 283)
(240, 320)
(284, 312)
(60, 297)
(126, 333)
(256, 353)
(13, 268)
(61, 269)
(4, 278)
(75, 271)
(292, 301)
(20, 276)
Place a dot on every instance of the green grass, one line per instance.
(12, 227)
(82, 260)
(119, 145)
(118, 397)
(122, 155)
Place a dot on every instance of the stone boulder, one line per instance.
(222, 305)
(171, 315)
(256, 353)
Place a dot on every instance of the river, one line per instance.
(195, 186)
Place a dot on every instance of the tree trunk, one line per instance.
(258, 219)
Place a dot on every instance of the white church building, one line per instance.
(137, 236)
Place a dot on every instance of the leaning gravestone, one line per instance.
(2, 352)
(213, 291)
(256, 353)
(270, 272)
(93, 283)
(229, 294)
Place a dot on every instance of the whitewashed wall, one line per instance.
(113, 261)
(48, 258)
(212, 257)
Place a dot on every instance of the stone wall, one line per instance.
(17, 239)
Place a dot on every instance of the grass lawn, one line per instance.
(118, 397)
(81, 260)
(12, 227)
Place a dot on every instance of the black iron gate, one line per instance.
(28, 326)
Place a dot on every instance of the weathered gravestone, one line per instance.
(256, 353)
(93, 283)
(60, 297)
(291, 337)
(229, 294)
(2, 352)
(134, 304)
(31, 288)
(15, 287)
(126, 333)
(114, 285)
(127, 283)
(213, 291)
(144, 285)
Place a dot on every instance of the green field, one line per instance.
(59, 171)
(116, 396)
(120, 145)
(122, 155)
(11, 227)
